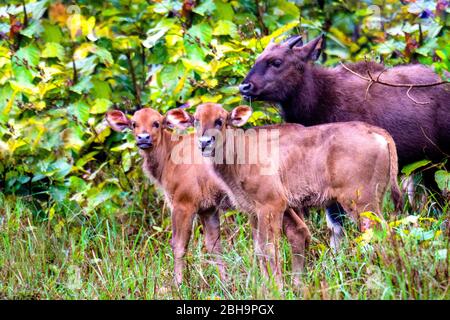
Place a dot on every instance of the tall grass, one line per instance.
(126, 254)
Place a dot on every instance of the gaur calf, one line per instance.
(189, 188)
(417, 118)
(351, 163)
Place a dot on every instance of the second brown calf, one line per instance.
(351, 163)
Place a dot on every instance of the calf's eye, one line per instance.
(133, 125)
(218, 123)
(156, 124)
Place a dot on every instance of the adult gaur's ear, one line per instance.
(178, 118)
(240, 115)
(117, 120)
(312, 50)
(294, 41)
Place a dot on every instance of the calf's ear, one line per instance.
(117, 120)
(312, 50)
(178, 118)
(240, 115)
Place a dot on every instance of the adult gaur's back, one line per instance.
(418, 120)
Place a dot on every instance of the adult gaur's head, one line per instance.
(280, 68)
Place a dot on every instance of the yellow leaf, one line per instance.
(83, 50)
(10, 103)
(40, 105)
(74, 24)
(88, 25)
(370, 215)
(365, 237)
(180, 84)
(14, 144)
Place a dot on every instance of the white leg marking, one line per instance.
(336, 232)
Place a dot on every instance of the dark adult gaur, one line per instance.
(309, 94)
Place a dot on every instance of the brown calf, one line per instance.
(189, 188)
(351, 163)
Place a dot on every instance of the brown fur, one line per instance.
(352, 163)
(189, 188)
(310, 94)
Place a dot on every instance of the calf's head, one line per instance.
(280, 69)
(146, 124)
(210, 121)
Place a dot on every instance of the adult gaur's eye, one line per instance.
(276, 63)
(156, 124)
(218, 123)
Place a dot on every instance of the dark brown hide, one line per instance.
(310, 94)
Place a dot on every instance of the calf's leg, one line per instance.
(270, 219)
(299, 238)
(182, 219)
(211, 222)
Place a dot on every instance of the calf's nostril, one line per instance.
(143, 137)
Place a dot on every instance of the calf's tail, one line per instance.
(396, 194)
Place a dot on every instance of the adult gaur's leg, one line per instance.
(334, 213)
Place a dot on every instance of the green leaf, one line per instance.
(442, 178)
(101, 89)
(408, 169)
(60, 168)
(83, 86)
(202, 32)
(58, 193)
(225, 27)
(104, 56)
(28, 55)
(153, 35)
(103, 195)
(23, 75)
(52, 33)
(53, 50)
(100, 106)
(80, 110)
(205, 7)
(441, 254)
(37, 9)
(33, 30)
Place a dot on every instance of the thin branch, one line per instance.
(371, 81)
(75, 75)
(409, 96)
(137, 90)
(367, 90)
(404, 85)
(25, 15)
(355, 73)
(259, 16)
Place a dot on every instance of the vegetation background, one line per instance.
(77, 217)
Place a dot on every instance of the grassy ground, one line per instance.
(125, 254)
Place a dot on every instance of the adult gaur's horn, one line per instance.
(294, 41)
